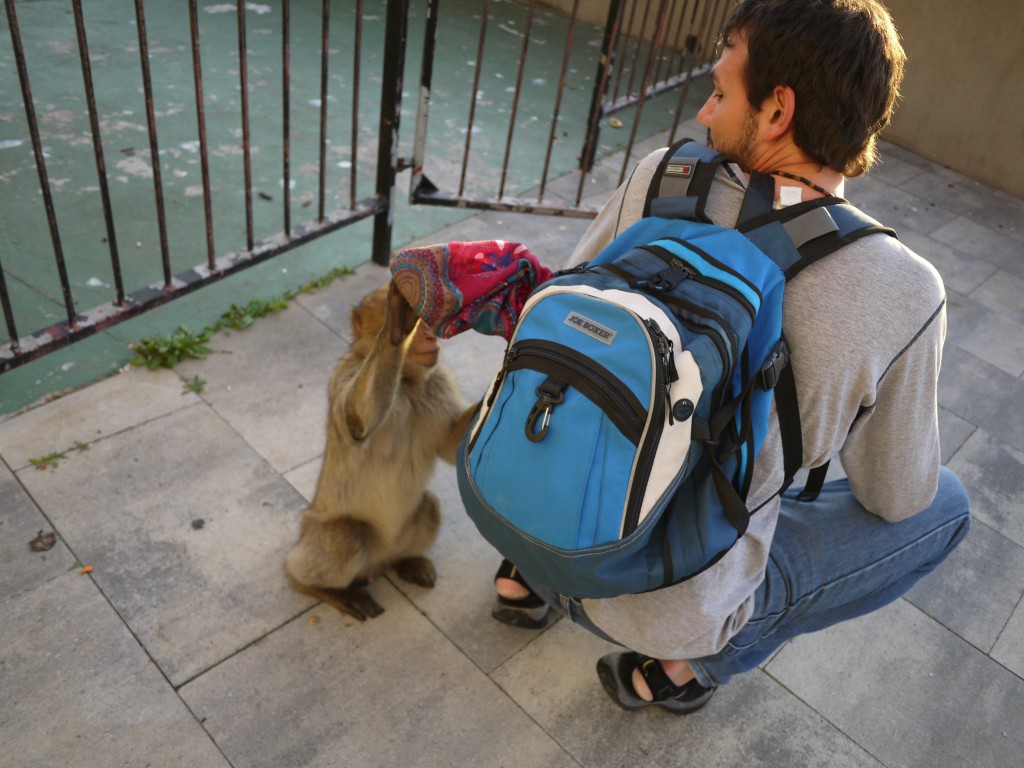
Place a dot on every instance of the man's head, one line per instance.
(840, 59)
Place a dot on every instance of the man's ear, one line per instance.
(777, 112)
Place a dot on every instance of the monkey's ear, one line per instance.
(357, 322)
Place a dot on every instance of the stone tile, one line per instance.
(982, 394)
(895, 207)
(79, 690)
(753, 721)
(21, 522)
(1005, 215)
(327, 690)
(304, 477)
(551, 242)
(186, 527)
(888, 149)
(952, 190)
(1009, 649)
(461, 601)
(953, 432)
(332, 305)
(1002, 293)
(976, 589)
(994, 247)
(475, 359)
(272, 385)
(993, 474)
(960, 272)
(895, 170)
(908, 691)
(985, 333)
(102, 409)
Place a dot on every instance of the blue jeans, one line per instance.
(830, 560)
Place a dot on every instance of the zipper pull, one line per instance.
(578, 269)
(669, 374)
(549, 394)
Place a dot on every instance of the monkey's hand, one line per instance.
(400, 319)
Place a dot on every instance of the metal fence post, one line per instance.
(396, 27)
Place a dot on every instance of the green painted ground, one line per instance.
(48, 32)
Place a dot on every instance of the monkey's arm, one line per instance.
(457, 432)
(372, 393)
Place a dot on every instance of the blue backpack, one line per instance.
(614, 449)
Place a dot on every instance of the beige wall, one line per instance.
(963, 94)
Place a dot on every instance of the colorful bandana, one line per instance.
(480, 285)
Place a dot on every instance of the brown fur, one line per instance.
(392, 412)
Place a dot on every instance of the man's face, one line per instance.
(730, 120)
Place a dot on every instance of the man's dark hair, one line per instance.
(842, 58)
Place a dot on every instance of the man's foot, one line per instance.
(677, 671)
(516, 604)
(617, 672)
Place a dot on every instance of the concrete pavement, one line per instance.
(184, 646)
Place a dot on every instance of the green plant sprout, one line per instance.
(166, 352)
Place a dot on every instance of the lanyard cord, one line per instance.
(802, 180)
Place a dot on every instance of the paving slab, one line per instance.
(102, 409)
(908, 691)
(898, 171)
(952, 190)
(1003, 293)
(960, 272)
(461, 601)
(971, 237)
(1009, 649)
(953, 432)
(333, 304)
(982, 394)
(78, 689)
(985, 333)
(272, 386)
(901, 208)
(186, 527)
(22, 567)
(973, 593)
(1005, 214)
(326, 690)
(993, 474)
(752, 722)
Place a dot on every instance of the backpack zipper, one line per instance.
(693, 273)
(659, 403)
(601, 387)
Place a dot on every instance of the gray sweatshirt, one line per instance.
(865, 328)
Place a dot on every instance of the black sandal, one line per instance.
(529, 613)
(616, 673)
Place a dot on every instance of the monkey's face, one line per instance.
(423, 349)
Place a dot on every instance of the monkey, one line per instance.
(392, 412)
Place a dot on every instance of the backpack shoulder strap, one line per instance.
(794, 238)
(682, 182)
(799, 235)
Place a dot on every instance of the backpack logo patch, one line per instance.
(685, 170)
(593, 329)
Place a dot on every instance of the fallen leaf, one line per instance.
(43, 542)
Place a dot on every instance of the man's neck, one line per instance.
(790, 161)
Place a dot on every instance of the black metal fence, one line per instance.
(646, 48)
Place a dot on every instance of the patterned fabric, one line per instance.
(480, 285)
